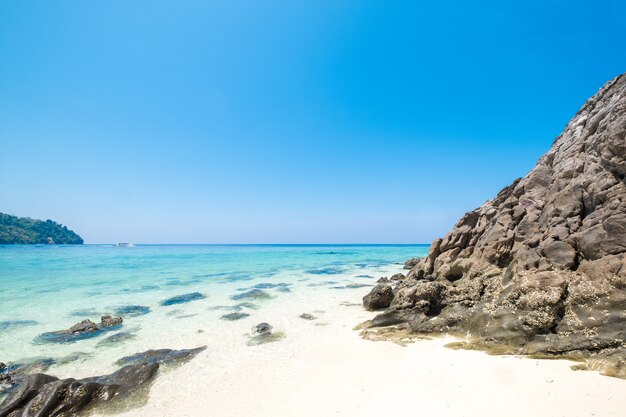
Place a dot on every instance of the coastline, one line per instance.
(333, 371)
(322, 366)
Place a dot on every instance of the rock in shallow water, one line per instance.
(109, 321)
(184, 298)
(307, 316)
(116, 339)
(85, 326)
(86, 329)
(270, 285)
(16, 324)
(41, 395)
(161, 356)
(255, 294)
(234, 316)
(326, 271)
(132, 310)
(247, 305)
(541, 268)
(262, 333)
(13, 373)
(262, 328)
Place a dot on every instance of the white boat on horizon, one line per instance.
(124, 245)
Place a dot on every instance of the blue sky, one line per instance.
(286, 121)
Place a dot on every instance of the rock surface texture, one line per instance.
(47, 396)
(540, 269)
(41, 395)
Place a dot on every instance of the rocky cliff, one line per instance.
(540, 269)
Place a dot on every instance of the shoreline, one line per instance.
(334, 371)
(323, 365)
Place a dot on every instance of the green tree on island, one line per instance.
(24, 230)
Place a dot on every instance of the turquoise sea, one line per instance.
(49, 288)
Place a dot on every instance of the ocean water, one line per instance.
(49, 288)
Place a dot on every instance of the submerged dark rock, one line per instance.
(161, 356)
(269, 285)
(132, 310)
(82, 312)
(15, 324)
(307, 316)
(541, 268)
(236, 307)
(246, 304)
(116, 339)
(254, 294)
(234, 316)
(326, 271)
(184, 298)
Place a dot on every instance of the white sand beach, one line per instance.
(331, 371)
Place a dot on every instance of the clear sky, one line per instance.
(286, 121)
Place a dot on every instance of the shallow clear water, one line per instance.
(48, 288)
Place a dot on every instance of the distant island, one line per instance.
(24, 230)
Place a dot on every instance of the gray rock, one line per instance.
(409, 264)
(86, 329)
(85, 326)
(47, 396)
(540, 268)
(262, 328)
(397, 277)
(307, 316)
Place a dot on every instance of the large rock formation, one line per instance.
(540, 269)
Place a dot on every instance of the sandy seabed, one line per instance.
(327, 369)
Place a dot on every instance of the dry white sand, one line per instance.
(330, 371)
